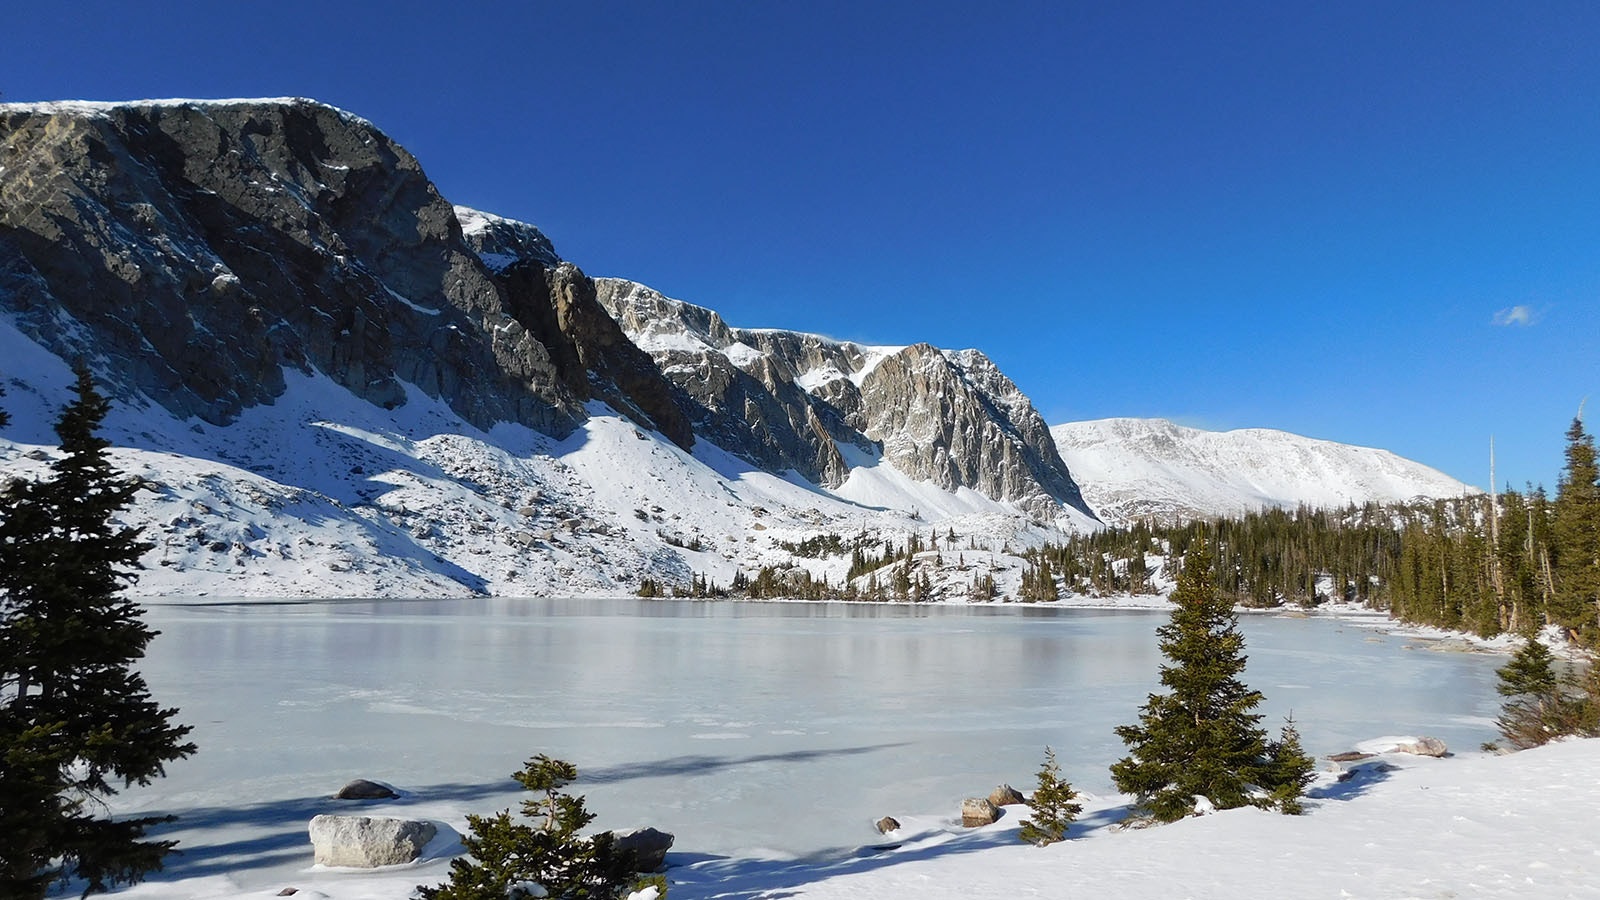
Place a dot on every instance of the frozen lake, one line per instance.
(743, 728)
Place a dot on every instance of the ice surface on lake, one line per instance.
(745, 729)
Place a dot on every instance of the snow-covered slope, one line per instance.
(322, 494)
(1151, 468)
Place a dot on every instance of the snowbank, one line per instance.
(1515, 826)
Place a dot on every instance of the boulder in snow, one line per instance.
(366, 842)
(1006, 795)
(647, 845)
(888, 824)
(1416, 746)
(978, 811)
(362, 789)
(1424, 746)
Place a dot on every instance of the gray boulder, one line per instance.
(362, 789)
(366, 842)
(1425, 746)
(647, 845)
(977, 812)
(1006, 795)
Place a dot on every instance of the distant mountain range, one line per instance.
(337, 384)
(1135, 469)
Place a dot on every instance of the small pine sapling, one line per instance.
(511, 859)
(1292, 770)
(1535, 706)
(1052, 807)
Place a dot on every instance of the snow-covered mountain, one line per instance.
(1133, 469)
(323, 494)
(334, 383)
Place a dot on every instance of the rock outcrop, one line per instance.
(366, 842)
(196, 250)
(788, 400)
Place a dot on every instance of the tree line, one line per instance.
(1508, 561)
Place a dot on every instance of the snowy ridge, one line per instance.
(1137, 468)
(100, 107)
(680, 325)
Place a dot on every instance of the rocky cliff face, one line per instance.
(791, 400)
(196, 250)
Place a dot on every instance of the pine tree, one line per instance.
(1293, 770)
(1052, 807)
(1537, 708)
(74, 714)
(507, 857)
(1200, 739)
(1577, 537)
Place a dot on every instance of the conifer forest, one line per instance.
(1507, 561)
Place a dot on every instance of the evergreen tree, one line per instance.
(1200, 738)
(1577, 537)
(506, 857)
(1052, 807)
(74, 715)
(1537, 708)
(1293, 770)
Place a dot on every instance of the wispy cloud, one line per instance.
(1521, 316)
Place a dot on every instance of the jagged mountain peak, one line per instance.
(501, 242)
(797, 400)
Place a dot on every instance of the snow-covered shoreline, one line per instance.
(1476, 825)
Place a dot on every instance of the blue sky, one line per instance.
(1375, 223)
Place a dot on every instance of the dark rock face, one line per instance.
(595, 359)
(786, 400)
(500, 242)
(754, 410)
(647, 846)
(200, 249)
